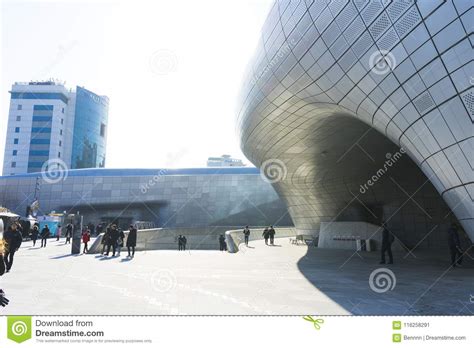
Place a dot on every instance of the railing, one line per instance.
(236, 237)
(198, 238)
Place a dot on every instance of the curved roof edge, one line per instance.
(147, 172)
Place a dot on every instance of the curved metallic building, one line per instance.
(363, 110)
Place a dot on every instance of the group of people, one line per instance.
(269, 234)
(114, 238)
(44, 234)
(182, 243)
(222, 243)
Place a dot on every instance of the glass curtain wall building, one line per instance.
(51, 125)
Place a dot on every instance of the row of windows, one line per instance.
(39, 130)
(16, 141)
(39, 107)
(31, 164)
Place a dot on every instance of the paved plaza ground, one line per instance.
(261, 280)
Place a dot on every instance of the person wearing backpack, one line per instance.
(387, 240)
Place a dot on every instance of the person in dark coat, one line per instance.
(131, 241)
(120, 240)
(45, 233)
(58, 233)
(271, 234)
(183, 242)
(180, 242)
(34, 234)
(387, 240)
(69, 230)
(455, 246)
(246, 235)
(113, 240)
(105, 238)
(222, 243)
(12, 239)
(266, 235)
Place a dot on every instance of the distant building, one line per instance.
(49, 122)
(224, 161)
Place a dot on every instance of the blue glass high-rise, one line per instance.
(90, 130)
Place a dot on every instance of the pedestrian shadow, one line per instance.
(64, 256)
(275, 245)
(126, 259)
(249, 247)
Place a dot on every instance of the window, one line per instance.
(62, 110)
(102, 130)
(13, 164)
(59, 154)
(62, 121)
(17, 129)
(18, 118)
(15, 141)
(15, 152)
(19, 107)
(60, 143)
(60, 132)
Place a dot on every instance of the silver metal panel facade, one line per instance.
(363, 110)
(171, 198)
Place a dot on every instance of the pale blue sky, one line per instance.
(172, 69)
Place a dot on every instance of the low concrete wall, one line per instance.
(236, 237)
(166, 238)
(343, 235)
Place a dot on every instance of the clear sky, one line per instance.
(172, 69)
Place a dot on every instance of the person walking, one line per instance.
(113, 239)
(222, 243)
(265, 235)
(58, 233)
(105, 238)
(86, 237)
(246, 235)
(183, 243)
(45, 234)
(69, 230)
(120, 240)
(131, 240)
(34, 234)
(180, 242)
(454, 246)
(387, 240)
(271, 234)
(12, 239)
